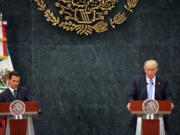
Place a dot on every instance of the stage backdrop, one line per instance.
(82, 82)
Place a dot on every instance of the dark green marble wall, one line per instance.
(82, 82)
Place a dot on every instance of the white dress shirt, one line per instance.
(12, 90)
(154, 84)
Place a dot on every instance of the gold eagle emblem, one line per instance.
(85, 16)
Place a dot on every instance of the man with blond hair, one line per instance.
(140, 89)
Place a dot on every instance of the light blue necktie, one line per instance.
(150, 89)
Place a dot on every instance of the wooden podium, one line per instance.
(19, 126)
(150, 126)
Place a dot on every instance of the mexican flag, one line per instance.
(5, 59)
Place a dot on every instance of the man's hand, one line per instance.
(128, 106)
(172, 106)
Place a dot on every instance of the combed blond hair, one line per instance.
(151, 63)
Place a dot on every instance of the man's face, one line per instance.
(14, 81)
(150, 71)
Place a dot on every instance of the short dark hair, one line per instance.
(13, 73)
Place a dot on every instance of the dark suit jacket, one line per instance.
(138, 90)
(22, 94)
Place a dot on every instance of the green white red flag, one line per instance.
(5, 59)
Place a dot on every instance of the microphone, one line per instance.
(144, 89)
(156, 91)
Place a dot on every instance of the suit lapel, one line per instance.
(144, 88)
(157, 89)
(10, 96)
(18, 93)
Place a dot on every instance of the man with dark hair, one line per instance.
(14, 92)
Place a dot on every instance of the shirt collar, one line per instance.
(153, 79)
(11, 89)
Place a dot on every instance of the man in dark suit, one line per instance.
(149, 86)
(14, 92)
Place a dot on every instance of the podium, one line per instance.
(150, 124)
(22, 126)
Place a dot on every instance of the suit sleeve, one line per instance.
(28, 96)
(2, 97)
(167, 92)
(132, 91)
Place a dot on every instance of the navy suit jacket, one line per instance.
(22, 94)
(138, 90)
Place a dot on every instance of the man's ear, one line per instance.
(156, 70)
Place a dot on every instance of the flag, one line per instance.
(5, 59)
